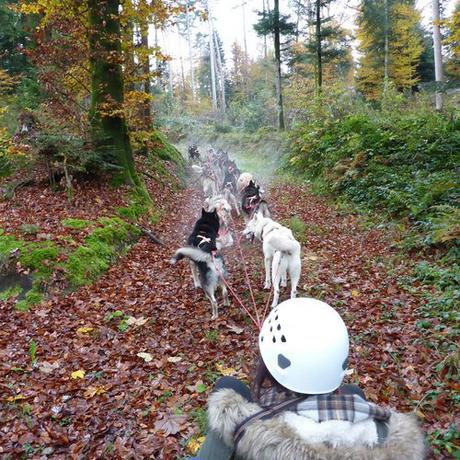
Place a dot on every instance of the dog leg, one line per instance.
(284, 279)
(225, 294)
(210, 294)
(195, 275)
(268, 263)
(294, 275)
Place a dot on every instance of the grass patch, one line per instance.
(298, 227)
(76, 224)
(199, 417)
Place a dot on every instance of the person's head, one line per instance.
(303, 344)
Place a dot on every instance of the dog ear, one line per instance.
(251, 182)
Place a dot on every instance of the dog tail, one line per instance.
(195, 254)
(197, 169)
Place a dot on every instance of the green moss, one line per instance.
(35, 255)
(29, 229)
(33, 297)
(77, 224)
(101, 248)
(13, 291)
(298, 227)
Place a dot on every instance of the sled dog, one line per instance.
(281, 253)
(207, 265)
(224, 211)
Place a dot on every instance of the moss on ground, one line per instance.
(76, 224)
(105, 244)
(12, 291)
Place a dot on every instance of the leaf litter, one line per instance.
(96, 393)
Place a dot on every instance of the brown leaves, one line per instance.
(170, 424)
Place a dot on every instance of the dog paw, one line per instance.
(267, 286)
(283, 283)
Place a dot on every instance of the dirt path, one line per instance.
(151, 406)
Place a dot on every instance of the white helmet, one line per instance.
(304, 345)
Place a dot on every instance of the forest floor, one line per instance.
(122, 368)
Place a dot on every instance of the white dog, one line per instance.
(224, 211)
(281, 253)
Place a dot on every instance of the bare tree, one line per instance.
(437, 54)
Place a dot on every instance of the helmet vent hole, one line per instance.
(276, 318)
(262, 338)
(278, 327)
(271, 328)
(283, 339)
(274, 339)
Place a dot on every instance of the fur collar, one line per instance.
(286, 437)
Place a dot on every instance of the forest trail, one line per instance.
(151, 405)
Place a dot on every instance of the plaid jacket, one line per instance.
(331, 406)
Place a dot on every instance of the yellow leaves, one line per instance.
(225, 370)
(92, 391)
(355, 293)
(195, 444)
(15, 398)
(30, 8)
(85, 330)
(80, 374)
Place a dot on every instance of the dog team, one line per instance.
(226, 191)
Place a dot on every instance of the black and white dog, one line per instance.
(193, 152)
(206, 263)
(252, 202)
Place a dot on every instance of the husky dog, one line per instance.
(243, 181)
(207, 265)
(208, 180)
(193, 152)
(281, 253)
(251, 202)
(224, 211)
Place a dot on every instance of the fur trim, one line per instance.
(275, 438)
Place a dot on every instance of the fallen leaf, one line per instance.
(18, 397)
(170, 424)
(174, 359)
(84, 330)
(47, 367)
(235, 329)
(225, 370)
(147, 357)
(132, 321)
(93, 391)
(80, 374)
(195, 444)
(355, 293)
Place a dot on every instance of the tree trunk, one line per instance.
(387, 50)
(144, 31)
(279, 92)
(319, 60)
(190, 54)
(108, 125)
(212, 63)
(437, 55)
(221, 75)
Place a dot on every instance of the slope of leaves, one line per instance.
(123, 368)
